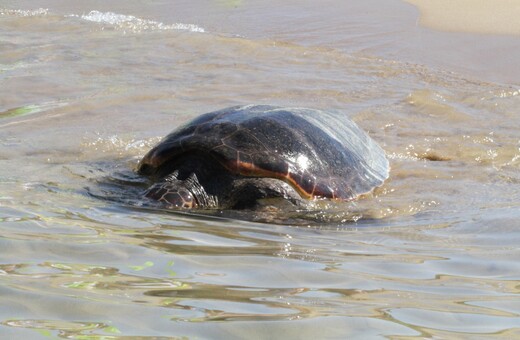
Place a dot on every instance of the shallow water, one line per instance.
(87, 89)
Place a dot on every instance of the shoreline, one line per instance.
(477, 38)
(470, 16)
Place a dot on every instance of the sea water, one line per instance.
(86, 88)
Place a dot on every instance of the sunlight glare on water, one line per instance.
(87, 90)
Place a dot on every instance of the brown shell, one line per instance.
(321, 154)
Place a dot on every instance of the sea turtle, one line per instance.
(231, 158)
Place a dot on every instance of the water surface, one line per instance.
(87, 88)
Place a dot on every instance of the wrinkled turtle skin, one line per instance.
(229, 159)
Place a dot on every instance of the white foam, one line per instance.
(134, 24)
(24, 13)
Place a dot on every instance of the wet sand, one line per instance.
(478, 38)
(474, 16)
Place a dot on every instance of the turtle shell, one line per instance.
(321, 154)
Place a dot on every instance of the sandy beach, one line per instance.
(475, 16)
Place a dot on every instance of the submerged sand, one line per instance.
(475, 16)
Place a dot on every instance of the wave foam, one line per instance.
(134, 24)
(24, 13)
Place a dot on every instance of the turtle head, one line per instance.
(176, 193)
(230, 193)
